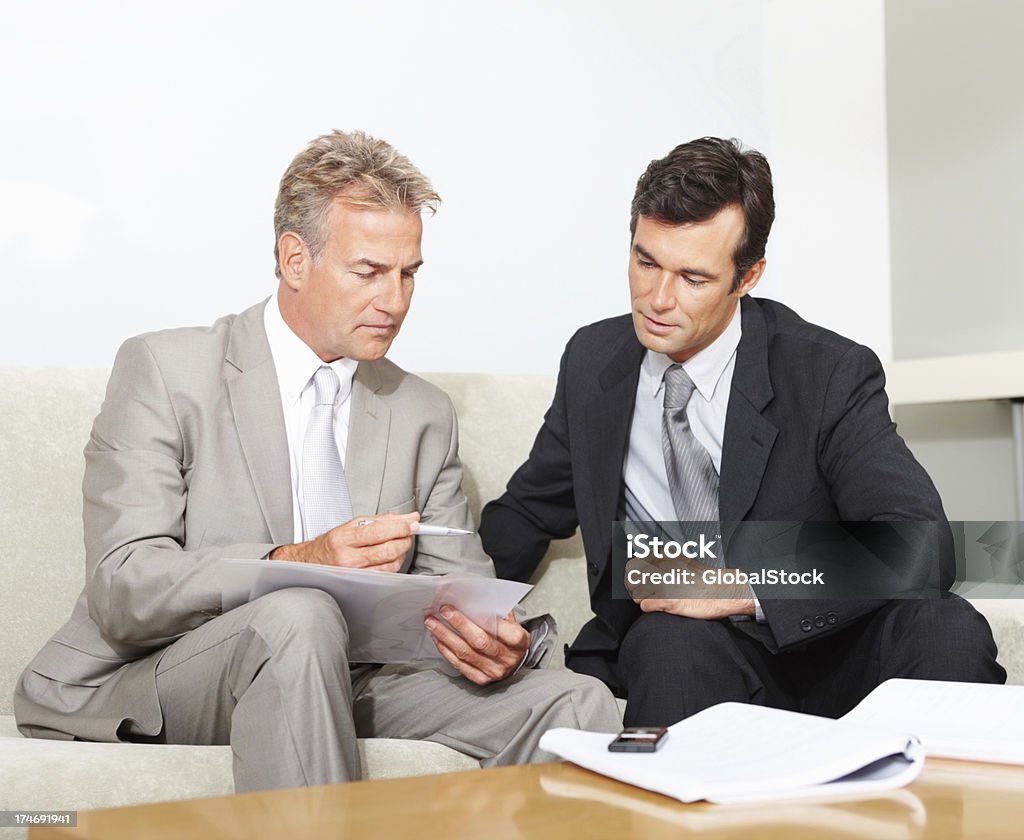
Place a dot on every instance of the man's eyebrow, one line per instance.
(696, 272)
(369, 263)
(379, 266)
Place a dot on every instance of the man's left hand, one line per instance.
(708, 608)
(692, 597)
(475, 653)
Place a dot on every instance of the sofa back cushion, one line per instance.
(47, 414)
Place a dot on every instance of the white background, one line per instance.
(142, 145)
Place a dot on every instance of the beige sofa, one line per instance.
(46, 418)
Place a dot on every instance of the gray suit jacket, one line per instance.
(187, 463)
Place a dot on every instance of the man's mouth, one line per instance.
(656, 326)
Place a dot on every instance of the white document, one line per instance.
(384, 611)
(974, 721)
(736, 752)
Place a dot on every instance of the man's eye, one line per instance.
(696, 282)
(644, 263)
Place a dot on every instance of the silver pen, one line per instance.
(439, 531)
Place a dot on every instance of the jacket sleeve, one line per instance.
(539, 503)
(446, 505)
(144, 589)
(872, 477)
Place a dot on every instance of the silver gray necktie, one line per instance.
(325, 499)
(692, 479)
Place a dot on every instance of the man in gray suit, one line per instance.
(284, 433)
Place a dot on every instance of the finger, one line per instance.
(453, 640)
(474, 675)
(381, 557)
(462, 651)
(512, 634)
(372, 530)
(385, 553)
(395, 566)
(478, 638)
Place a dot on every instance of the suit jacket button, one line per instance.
(806, 625)
(819, 621)
(592, 567)
(832, 618)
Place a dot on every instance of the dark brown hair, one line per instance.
(697, 179)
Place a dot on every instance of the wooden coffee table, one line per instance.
(949, 800)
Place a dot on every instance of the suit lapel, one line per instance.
(369, 423)
(749, 436)
(608, 417)
(256, 405)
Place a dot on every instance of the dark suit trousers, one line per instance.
(672, 667)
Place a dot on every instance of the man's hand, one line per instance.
(379, 543)
(692, 597)
(708, 608)
(475, 653)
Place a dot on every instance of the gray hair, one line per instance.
(368, 172)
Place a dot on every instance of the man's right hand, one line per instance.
(379, 544)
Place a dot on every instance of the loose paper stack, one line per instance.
(384, 611)
(736, 752)
(973, 721)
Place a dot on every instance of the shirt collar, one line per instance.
(704, 368)
(295, 361)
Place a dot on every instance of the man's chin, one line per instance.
(372, 351)
(658, 343)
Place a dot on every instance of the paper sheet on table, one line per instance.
(974, 721)
(736, 752)
(384, 611)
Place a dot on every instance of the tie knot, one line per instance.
(327, 384)
(678, 387)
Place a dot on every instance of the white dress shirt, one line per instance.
(296, 363)
(648, 498)
(647, 493)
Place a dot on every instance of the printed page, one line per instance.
(384, 611)
(737, 752)
(973, 721)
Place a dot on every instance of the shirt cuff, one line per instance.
(758, 612)
(543, 632)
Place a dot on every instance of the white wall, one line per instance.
(825, 104)
(142, 145)
(957, 187)
(956, 124)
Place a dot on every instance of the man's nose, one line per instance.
(391, 297)
(663, 294)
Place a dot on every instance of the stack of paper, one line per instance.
(735, 752)
(384, 611)
(974, 721)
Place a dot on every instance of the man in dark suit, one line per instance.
(706, 404)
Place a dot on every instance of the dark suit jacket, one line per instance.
(807, 437)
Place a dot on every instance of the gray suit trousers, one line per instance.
(272, 679)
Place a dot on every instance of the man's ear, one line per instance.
(751, 278)
(293, 258)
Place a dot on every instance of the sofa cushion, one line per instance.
(37, 774)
